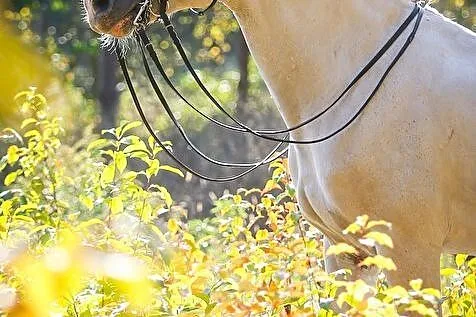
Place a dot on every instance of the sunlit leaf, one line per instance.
(12, 154)
(121, 161)
(460, 259)
(380, 238)
(262, 235)
(448, 271)
(108, 174)
(129, 126)
(11, 178)
(172, 170)
(117, 205)
(379, 261)
(416, 284)
(172, 225)
(341, 248)
(98, 144)
(27, 122)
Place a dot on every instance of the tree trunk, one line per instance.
(243, 56)
(108, 93)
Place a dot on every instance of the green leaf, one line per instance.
(129, 126)
(27, 122)
(166, 196)
(34, 134)
(38, 229)
(24, 218)
(204, 297)
(172, 170)
(10, 178)
(210, 308)
(137, 147)
(98, 144)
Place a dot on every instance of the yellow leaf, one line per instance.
(237, 199)
(379, 261)
(117, 206)
(270, 185)
(10, 178)
(416, 284)
(377, 223)
(130, 125)
(237, 225)
(340, 248)
(199, 284)
(262, 235)
(107, 175)
(173, 226)
(448, 271)
(86, 201)
(171, 170)
(121, 161)
(12, 154)
(460, 259)
(97, 144)
(267, 202)
(380, 238)
(470, 281)
(396, 292)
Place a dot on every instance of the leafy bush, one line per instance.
(84, 235)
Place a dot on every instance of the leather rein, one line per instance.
(146, 48)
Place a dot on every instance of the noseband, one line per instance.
(146, 47)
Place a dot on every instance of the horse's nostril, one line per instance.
(101, 6)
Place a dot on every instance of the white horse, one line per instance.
(410, 158)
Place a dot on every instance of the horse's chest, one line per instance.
(333, 186)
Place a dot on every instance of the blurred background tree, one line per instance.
(61, 47)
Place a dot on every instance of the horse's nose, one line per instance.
(102, 6)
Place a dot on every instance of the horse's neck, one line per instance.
(307, 49)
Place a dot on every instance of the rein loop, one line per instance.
(270, 135)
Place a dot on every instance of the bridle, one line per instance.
(271, 135)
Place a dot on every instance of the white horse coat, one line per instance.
(410, 158)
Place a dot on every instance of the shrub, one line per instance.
(84, 235)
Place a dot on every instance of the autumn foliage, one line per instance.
(83, 233)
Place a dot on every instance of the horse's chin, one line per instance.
(118, 23)
(120, 28)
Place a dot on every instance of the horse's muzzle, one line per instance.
(112, 17)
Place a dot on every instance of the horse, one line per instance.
(409, 159)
